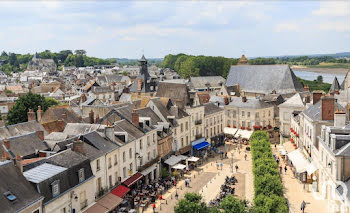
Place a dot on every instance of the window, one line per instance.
(234, 113)
(116, 177)
(55, 188)
(148, 156)
(269, 113)
(154, 153)
(115, 159)
(242, 113)
(186, 125)
(181, 127)
(110, 181)
(98, 166)
(148, 142)
(257, 115)
(248, 114)
(130, 167)
(124, 172)
(81, 175)
(64, 210)
(99, 184)
(130, 153)
(123, 156)
(36, 211)
(141, 161)
(154, 138)
(140, 144)
(228, 122)
(263, 114)
(109, 163)
(182, 142)
(83, 200)
(187, 140)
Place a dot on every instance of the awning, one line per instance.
(298, 160)
(311, 168)
(244, 133)
(230, 131)
(179, 166)
(105, 204)
(182, 157)
(148, 170)
(172, 160)
(133, 179)
(201, 145)
(120, 191)
(193, 159)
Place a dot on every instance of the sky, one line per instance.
(127, 29)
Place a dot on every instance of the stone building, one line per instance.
(42, 65)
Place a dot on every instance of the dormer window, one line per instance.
(81, 175)
(55, 188)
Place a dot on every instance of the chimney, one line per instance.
(40, 134)
(109, 132)
(316, 96)
(91, 117)
(135, 117)
(273, 92)
(39, 113)
(337, 92)
(306, 88)
(139, 85)
(64, 116)
(7, 143)
(18, 163)
(327, 108)
(78, 146)
(307, 99)
(31, 115)
(97, 118)
(226, 101)
(42, 154)
(83, 98)
(244, 99)
(339, 118)
(174, 111)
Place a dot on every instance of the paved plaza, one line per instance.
(207, 180)
(295, 192)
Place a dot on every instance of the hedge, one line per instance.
(267, 181)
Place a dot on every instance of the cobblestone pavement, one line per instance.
(208, 181)
(295, 192)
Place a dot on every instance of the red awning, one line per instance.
(133, 179)
(120, 191)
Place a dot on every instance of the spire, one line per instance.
(143, 58)
(335, 87)
(243, 60)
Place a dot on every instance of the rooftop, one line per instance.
(43, 172)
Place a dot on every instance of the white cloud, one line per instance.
(339, 26)
(287, 27)
(333, 8)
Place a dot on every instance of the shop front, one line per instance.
(200, 148)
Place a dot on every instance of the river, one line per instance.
(327, 77)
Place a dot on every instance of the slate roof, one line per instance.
(126, 126)
(295, 101)
(204, 81)
(100, 143)
(55, 113)
(211, 108)
(314, 111)
(335, 85)
(178, 93)
(26, 145)
(253, 103)
(264, 79)
(74, 129)
(20, 129)
(11, 179)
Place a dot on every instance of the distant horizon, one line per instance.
(127, 29)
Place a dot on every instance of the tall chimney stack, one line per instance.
(39, 113)
(31, 115)
(7, 143)
(339, 118)
(91, 117)
(135, 117)
(316, 96)
(78, 146)
(327, 108)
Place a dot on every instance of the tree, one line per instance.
(80, 52)
(13, 60)
(320, 78)
(19, 111)
(231, 204)
(124, 73)
(4, 54)
(192, 202)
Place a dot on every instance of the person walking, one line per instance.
(154, 207)
(303, 205)
(285, 169)
(245, 157)
(280, 169)
(221, 164)
(236, 168)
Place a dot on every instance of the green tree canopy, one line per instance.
(80, 52)
(231, 204)
(320, 78)
(192, 202)
(19, 111)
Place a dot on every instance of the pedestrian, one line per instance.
(175, 183)
(176, 195)
(217, 166)
(303, 205)
(285, 169)
(278, 161)
(280, 169)
(154, 207)
(236, 168)
(245, 157)
(221, 164)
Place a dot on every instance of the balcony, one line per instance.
(83, 205)
(198, 122)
